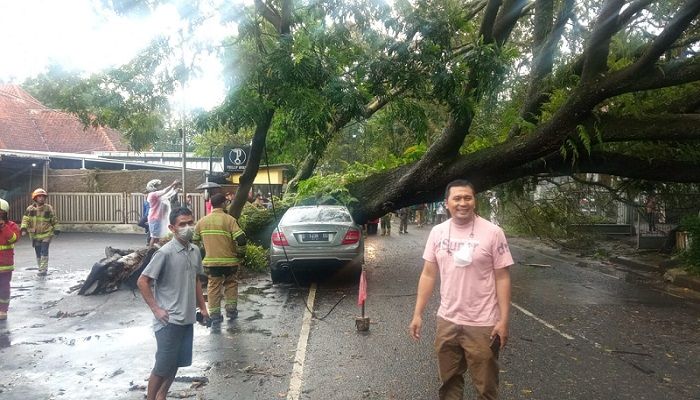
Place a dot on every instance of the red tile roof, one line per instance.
(26, 124)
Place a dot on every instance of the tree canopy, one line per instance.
(493, 91)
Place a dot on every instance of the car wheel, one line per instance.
(279, 275)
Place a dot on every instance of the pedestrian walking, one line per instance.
(9, 233)
(650, 208)
(386, 224)
(170, 286)
(224, 246)
(40, 222)
(420, 214)
(493, 204)
(441, 212)
(470, 256)
(159, 201)
(403, 219)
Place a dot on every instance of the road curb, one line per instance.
(629, 262)
(681, 280)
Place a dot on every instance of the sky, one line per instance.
(83, 36)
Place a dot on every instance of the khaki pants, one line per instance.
(462, 348)
(222, 285)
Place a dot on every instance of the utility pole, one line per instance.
(184, 166)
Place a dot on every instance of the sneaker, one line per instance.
(3, 315)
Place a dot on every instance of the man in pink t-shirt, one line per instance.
(472, 258)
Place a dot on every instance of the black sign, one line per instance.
(236, 158)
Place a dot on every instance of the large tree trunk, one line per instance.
(251, 169)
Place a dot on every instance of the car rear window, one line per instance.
(316, 214)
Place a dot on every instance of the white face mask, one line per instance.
(186, 233)
(463, 257)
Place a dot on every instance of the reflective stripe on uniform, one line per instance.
(43, 235)
(6, 246)
(222, 260)
(206, 232)
(6, 268)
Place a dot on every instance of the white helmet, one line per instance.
(152, 185)
(4, 206)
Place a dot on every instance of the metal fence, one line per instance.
(102, 208)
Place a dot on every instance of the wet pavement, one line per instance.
(580, 329)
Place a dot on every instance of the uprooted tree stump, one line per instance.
(117, 268)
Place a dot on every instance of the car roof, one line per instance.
(320, 205)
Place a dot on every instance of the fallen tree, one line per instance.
(117, 268)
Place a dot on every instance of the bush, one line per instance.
(256, 258)
(258, 223)
(692, 255)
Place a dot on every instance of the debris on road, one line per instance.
(118, 266)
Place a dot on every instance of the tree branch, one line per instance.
(509, 15)
(667, 127)
(543, 57)
(628, 13)
(665, 75)
(596, 54)
(487, 23)
(634, 167)
(270, 14)
(667, 37)
(609, 163)
(286, 19)
(251, 170)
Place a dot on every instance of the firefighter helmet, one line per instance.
(39, 192)
(4, 206)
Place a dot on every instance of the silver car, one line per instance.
(315, 237)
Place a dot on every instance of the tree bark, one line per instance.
(251, 169)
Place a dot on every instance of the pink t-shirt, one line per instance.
(468, 294)
(158, 210)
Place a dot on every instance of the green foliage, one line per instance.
(257, 223)
(328, 189)
(555, 217)
(217, 138)
(691, 256)
(132, 98)
(256, 258)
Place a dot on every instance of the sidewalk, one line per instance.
(621, 252)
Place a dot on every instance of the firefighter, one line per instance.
(41, 223)
(224, 246)
(9, 233)
(386, 225)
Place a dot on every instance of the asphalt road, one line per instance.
(578, 331)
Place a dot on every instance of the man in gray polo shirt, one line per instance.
(170, 286)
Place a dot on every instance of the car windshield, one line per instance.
(316, 214)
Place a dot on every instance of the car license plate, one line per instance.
(315, 237)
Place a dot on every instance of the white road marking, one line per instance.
(541, 321)
(296, 380)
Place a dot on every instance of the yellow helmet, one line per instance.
(4, 206)
(39, 192)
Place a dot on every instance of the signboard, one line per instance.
(236, 158)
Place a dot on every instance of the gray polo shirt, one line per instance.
(174, 270)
